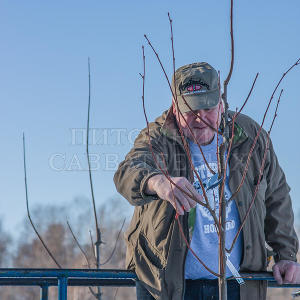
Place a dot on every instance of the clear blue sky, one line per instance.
(43, 83)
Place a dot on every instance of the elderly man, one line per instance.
(156, 249)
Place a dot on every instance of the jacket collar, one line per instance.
(240, 134)
(169, 127)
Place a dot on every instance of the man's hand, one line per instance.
(286, 271)
(161, 186)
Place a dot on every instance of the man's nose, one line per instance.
(201, 117)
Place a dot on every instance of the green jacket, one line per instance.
(156, 250)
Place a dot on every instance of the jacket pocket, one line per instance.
(148, 251)
(149, 265)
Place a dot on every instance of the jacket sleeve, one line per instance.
(279, 222)
(139, 165)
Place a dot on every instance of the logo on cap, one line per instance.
(193, 87)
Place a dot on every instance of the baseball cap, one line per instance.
(198, 84)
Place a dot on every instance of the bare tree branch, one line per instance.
(88, 158)
(93, 292)
(115, 297)
(79, 246)
(92, 246)
(222, 151)
(248, 94)
(98, 232)
(232, 47)
(115, 246)
(84, 254)
(27, 206)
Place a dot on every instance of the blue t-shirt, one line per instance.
(204, 238)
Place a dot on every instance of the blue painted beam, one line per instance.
(44, 292)
(62, 288)
(35, 281)
(74, 273)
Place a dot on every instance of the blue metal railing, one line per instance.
(62, 278)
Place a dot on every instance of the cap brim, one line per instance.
(205, 100)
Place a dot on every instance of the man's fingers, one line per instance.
(195, 194)
(180, 197)
(289, 273)
(192, 202)
(296, 277)
(276, 274)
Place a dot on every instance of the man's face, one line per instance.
(203, 133)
